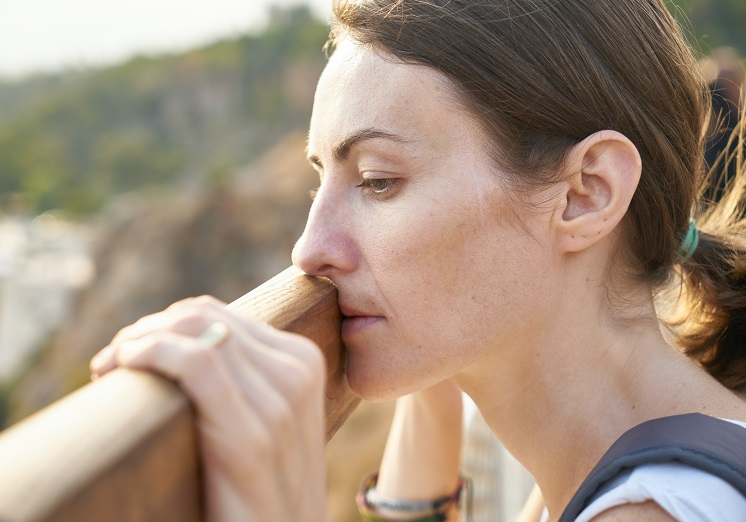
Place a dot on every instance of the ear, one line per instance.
(602, 175)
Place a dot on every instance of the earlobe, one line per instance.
(602, 175)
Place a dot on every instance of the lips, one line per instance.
(355, 321)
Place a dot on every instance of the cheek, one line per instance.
(416, 254)
(437, 269)
(463, 278)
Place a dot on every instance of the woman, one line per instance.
(505, 189)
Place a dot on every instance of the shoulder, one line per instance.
(644, 512)
(667, 490)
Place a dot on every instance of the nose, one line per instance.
(326, 247)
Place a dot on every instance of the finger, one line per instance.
(102, 363)
(199, 370)
(204, 310)
(269, 335)
(195, 363)
(264, 385)
(297, 422)
(182, 321)
(182, 316)
(290, 344)
(106, 359)
(269, 355)
(229, 398)
(191, 316)
(185, 322)
(292, 407)
(300, 384)
(188, 324)
(201, 301)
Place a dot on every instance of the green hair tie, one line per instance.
(691, 241)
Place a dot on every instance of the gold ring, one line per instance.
(215, 334)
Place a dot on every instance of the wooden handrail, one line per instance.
(123, 448)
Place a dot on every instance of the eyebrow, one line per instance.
(343, 147)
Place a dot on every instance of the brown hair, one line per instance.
(542, 75)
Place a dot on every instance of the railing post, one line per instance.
(123, 448)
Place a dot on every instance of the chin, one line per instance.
(376, 383)
(373, 386)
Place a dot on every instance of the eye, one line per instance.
(379, 187)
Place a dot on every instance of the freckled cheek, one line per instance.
(419, 262)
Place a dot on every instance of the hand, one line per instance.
(259, 397)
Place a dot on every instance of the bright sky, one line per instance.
(46, 35)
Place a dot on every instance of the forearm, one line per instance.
(422, 456)
(533, 508)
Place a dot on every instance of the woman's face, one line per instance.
(436, 268)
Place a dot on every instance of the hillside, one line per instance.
(74, 140)
(160, 156)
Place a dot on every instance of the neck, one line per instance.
(558, 398)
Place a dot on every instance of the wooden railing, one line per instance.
(124, 447)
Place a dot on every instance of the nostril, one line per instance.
(323, 270)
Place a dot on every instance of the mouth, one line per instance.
(356, 321)
(357, 324)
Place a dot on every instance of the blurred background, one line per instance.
(155, 151)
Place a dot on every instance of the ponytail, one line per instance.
(711, 324)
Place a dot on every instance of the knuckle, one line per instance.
(204, 300)
(280, 417)
(190, 321)
(180, 304)
(123, 333)
(303, 382)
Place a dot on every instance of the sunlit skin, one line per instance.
(413, 227)
(445, 275)
(454, 277)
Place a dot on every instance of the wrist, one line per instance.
(422, 455)
(376, 508)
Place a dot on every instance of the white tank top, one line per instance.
(687, 494)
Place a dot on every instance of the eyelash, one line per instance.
(373, 186)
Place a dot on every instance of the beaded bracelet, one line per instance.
(411, 511)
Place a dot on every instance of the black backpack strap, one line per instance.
(706, 443)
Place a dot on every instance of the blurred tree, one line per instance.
(77, 139)
(714, 23)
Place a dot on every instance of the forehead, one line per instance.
(363, 87)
